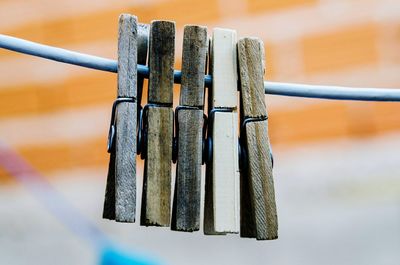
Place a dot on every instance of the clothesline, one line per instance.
(273, 88)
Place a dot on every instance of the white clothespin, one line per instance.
(222, 176)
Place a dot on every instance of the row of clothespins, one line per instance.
(239, 189)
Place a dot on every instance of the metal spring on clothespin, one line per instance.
(175, 146)
(243, 158)
(111, 131)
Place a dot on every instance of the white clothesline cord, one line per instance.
(273, 88)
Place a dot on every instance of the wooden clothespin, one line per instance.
(157, 126)
(258, 208)
(221, 213)
(189, 124)
(120, 198)
(143, 46)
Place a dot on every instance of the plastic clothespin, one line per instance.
(221, 213)
(157, 126)
(120, 197)
(189, 124)
(258, 207)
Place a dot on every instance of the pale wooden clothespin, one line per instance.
(189, 124)
(221, 213)
(120, 198)
(258, 208)
(157, 126)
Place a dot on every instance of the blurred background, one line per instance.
(337, 164)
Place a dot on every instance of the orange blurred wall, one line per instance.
(57, 115)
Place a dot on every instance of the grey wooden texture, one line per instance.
(120, 202)
(125, 161)
(186, 204)
(251, 71)
(195, 46)
(258, 207)
(157, 174)
(143, 46)
(263, 221)
(161, 61)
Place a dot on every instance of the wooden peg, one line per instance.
(120, 199)
(161, 62)
(221, 214)
(159, 113)
(195, 47)
(186, 205)
(143, 44)
(258, 208)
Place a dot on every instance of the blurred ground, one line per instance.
(338, 202)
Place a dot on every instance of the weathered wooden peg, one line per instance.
(221, 213)
(189, 131)
(143, 46)
(120, 198)
(258, 207)
(158, 126)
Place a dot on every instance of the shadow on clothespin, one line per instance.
(189, 133)
(221, 210)
(258, 208)
(120, 197)
(157, 126)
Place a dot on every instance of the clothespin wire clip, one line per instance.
(111, 131)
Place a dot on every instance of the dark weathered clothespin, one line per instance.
(189, 124)
(221, 213)
(258, 208)
(120, 199)
(157, 126)
(143, 46)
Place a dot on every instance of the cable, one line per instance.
(273, 88)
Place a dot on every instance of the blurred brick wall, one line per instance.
(57, 115)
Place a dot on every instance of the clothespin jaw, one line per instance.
(143, 46)
(159, 126)
(189, 123)
(120, 198)
(161, 62)
(221, 213)
(258, 207)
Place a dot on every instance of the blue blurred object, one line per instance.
(115, 256)
(66, 213)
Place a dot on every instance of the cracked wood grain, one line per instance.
(157, 174)
(120, 201)
(258, 207)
